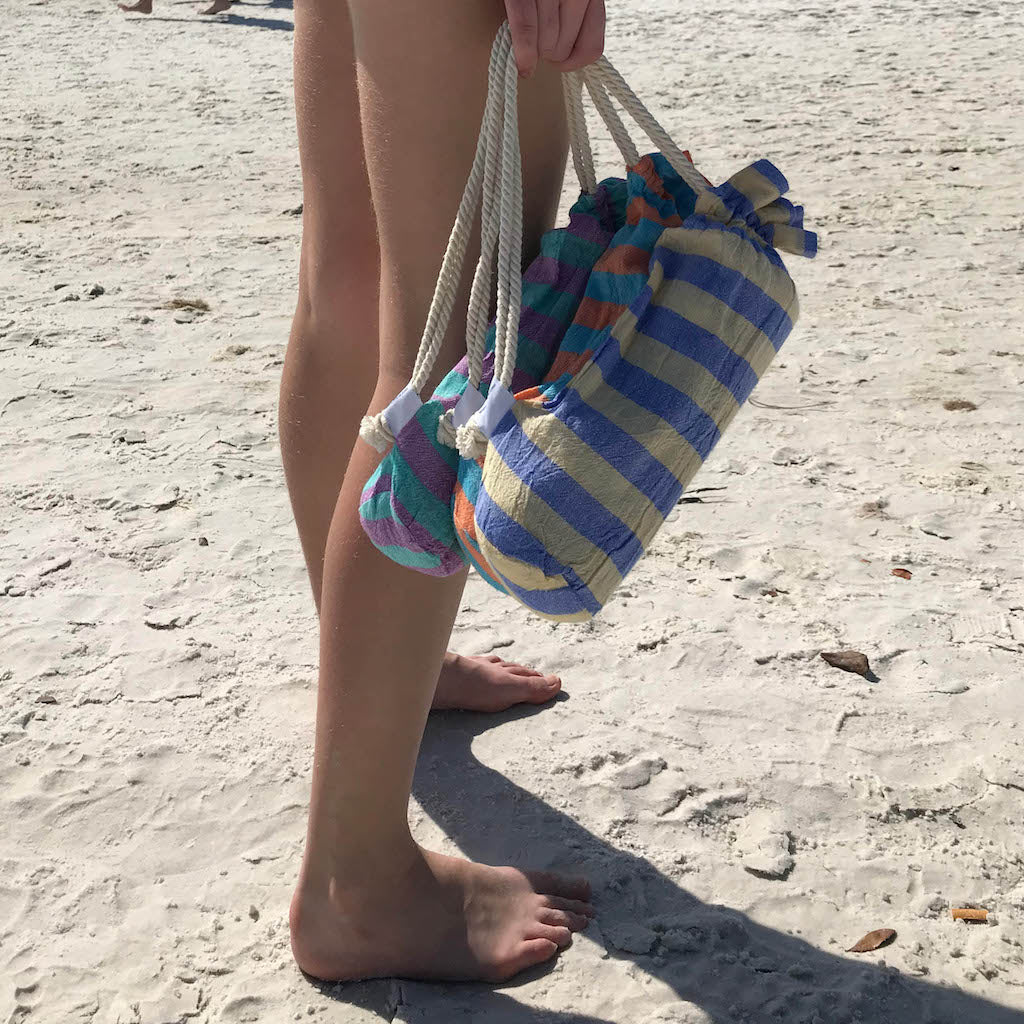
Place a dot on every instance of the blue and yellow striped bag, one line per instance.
(562, 488)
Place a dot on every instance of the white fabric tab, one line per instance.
(470, 402)
(499, 401)
(402, 409)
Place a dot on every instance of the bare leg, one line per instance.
(370, 901)
(217, 7)
(140, 7)
(331, 365)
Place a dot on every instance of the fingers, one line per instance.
(550, 14)
(570, 20)
(568, 33)
(589, 41)
(523, 20)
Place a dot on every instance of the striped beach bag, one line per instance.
(406, 506)
(563, 486)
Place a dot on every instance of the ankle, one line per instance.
(350, 870)
(452, 661)
(334, 911)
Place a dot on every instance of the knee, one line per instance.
(333, 348)
(339, 280)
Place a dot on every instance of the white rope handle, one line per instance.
(610, 116)
(483, 280)
(445, 291)
(495, 187)
(579, 139)
(380, 430)
(510, 242)
(478, 311)
(472, 437)
(603, 72)
(583, 160)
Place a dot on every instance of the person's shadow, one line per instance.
(716, 958)
(237, 16)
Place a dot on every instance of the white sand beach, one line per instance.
(745, 811)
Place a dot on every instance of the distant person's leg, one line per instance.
(218, 7)
(140, 7)
(370, 901)
(330, 368)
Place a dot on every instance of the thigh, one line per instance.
(339, 239)
(422, 70)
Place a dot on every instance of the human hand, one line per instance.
(568, 33)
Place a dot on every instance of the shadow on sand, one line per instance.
(237, 16)
(714, 957)
(227, 19)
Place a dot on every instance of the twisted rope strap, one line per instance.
(603, 83)
(483, 279)
(484, 190)
(610, 116)
(471, 438)
(380, 430)
(579, 140)
(495, 187)
(604, 73)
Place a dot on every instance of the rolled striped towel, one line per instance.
(682, 315)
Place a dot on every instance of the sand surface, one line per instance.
(745, 811)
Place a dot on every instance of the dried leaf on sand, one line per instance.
(873, 940)
(848, 661)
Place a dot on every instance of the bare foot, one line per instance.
(488, 683)
(140, 7)
(217, 7)
(437, 918)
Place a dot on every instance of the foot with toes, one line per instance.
(430, 916)
(488, 683)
